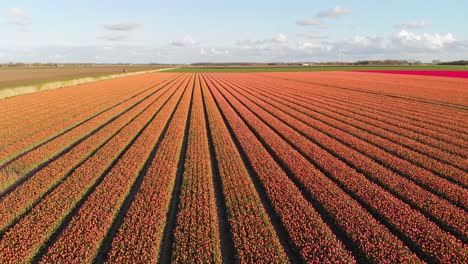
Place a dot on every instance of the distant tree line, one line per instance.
(459, 62)
(331, 63)
(386, 62)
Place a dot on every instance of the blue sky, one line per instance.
(206, 30)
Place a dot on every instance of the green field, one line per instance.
(314, 68)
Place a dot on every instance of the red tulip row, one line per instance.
(82, 237)
(358, 225)
(388, 107)
(66, 115)
(426, 236)
(14, 171)
(23, 197)
(305, 227)
(196, 233)
(376, 87)
(22, 241)
(405, 136)
(450, 215)
(139, 238)
(375, 144)
(253, 234)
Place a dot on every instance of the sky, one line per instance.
(183, 31)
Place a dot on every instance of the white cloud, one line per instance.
(401, 45)
(114, 38)
(57, 56)
(251, 43)
(353, 48)
(412, 24)
(219, 51)
(312, 35)
(118, 31)
(360, 40)
(122, 26)
(213, 51)
(317, 21)
(280, 38)
(318, 46)
(432, 41)
(336, 11)
(18, 17)
(187, 41)
(311, 22)
(368, 41)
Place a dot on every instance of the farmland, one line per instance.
(314, 68)
(256, 167)
(17, 76)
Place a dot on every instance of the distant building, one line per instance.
(436, 61)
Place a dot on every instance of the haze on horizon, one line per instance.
(143, 31)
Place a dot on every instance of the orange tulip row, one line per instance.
(82, 237)
(348, 146)
(14, 171)
(253, 235)
(58, 114)
(196, 233)
(428, 96)
(139, 238)
(449, 124)
(380, 110)
(310, 236)
(37, 104)
(68, 110)
(266, 168)
(385, 152)
(358, 226)
(431, 241)
(53, 117)
(23, 108)
(16, 203)
(419, 145)
(388, 120)
(23, 239)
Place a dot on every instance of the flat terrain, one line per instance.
(444, 73)
(15, 76)
(317, 167)
(314, 68)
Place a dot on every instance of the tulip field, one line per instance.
(259, 167)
